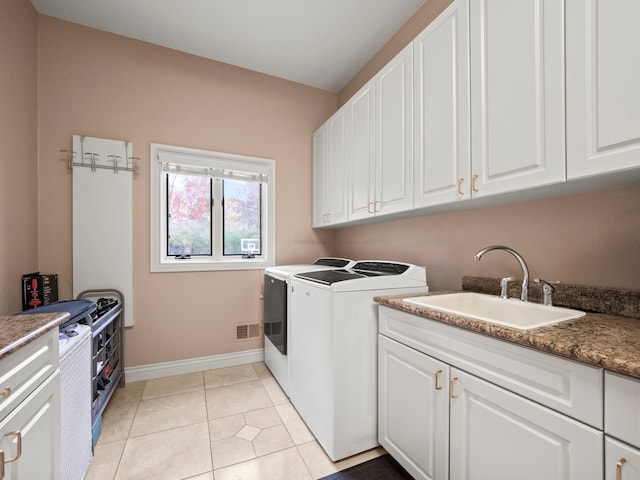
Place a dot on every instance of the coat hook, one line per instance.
(69, 156)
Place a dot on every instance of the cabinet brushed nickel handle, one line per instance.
(6, 391)
(375, 206)
(1, 465)
(369, 207)
(460, 192)
(18, 436)
(438, 387)
(619, 465)
(451, 385)
(473, 183)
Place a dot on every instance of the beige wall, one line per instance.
(18, 150)
(98, 84)
(590, 239)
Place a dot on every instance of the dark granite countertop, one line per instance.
(16, 331)
(607, 340)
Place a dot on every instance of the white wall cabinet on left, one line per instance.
(330, 171)
(370, 138)
(30, 411)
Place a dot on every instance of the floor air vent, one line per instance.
(247, 331)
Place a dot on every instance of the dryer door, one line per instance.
(275, 312)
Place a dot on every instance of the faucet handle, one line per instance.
(547, 290)
(504, 286)
(548, 286)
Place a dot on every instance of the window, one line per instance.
(210, 210)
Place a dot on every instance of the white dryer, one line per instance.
(333, 349)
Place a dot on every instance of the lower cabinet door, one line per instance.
(621, 461)
(498, 435)
(35, 427)
(413, 409)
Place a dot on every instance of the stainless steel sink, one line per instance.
(489, 308)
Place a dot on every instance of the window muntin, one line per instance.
(247, 241)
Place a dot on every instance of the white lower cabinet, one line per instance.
(498, 435)
(30, 411)
(622, 421)
(441, 422)
(413, 406)
(622, 462)
(32, 434)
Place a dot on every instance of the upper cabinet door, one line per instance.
(517, 94)
(336, 169)
(441, 115)
(394, 134)
(320, 140)
(603, 86)
(361, 129)
(330, 145)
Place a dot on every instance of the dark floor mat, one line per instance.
(383, 467)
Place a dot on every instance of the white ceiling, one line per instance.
(322, 43)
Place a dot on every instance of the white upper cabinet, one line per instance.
(330, 144)
(361, 118)
(493, 97)
(603, 86)
(441, 115)
(380, 135)
(319, 160)
(394, 135)
(517, 94)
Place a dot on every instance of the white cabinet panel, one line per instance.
(501, 436)
(362, 154)
(336, 169)
(413, 409)
(622, 408)
(25, 369)
(37, 419)
(441, 116)
(622, 462)
(603, 97)
(320, 140)
(330, 171)
(394, 134)
(517, 94)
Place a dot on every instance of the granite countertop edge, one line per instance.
(16, 331)
(602, 340)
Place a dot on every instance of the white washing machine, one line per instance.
(277, 313)
(333, 349)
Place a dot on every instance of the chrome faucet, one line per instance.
(525, 270)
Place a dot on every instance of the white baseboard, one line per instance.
(156, 370)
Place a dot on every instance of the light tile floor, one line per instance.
(231, 423)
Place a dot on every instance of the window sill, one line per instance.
(194, 265)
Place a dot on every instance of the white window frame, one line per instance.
(221, 162)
